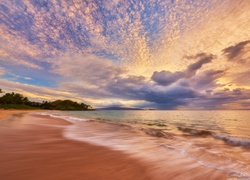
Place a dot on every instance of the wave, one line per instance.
(156, 124)
(215, 161)
(157, 133)
(232, 140)
(129, 138)
(130, 141)
(71, 119)
(195, 132)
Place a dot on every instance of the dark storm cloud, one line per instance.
(234, 51)
(99, 78)
(166, 77)
(196, 91)
(138, 88)
(171, 97)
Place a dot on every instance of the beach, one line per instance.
(35, 146)
(31, 151)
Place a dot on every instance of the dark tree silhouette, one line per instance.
(17, 101)
(65, 105)
(13, 98)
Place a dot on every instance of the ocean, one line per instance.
(218, 140)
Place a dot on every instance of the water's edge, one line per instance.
(153, 143)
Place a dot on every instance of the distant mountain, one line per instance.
(118, 108)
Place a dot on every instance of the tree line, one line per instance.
(18, 101)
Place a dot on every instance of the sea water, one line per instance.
(217, 140)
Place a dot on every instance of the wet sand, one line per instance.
(6, 113)
(32, 147)
(30, 151)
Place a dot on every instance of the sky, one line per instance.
(163, 54)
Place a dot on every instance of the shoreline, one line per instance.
(34, 147)
(31, 151)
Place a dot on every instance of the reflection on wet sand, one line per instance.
(30, 151)
(161, 153)
(41, 147)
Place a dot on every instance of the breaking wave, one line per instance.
(231, 140)
(71, 119)
(235, 141)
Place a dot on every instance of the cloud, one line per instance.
(81, 90)
(98, 78)
(111, 103)
(171, 97)
(2, 71)
(27, 78)
(86, 68)
(138, 88)
(88, 44)
(111, 4)
(203, 58)
(92, 76)
(241, 78)
(41, 93)
(86, 75)
(236, 51)
(224, 99)
(245, 105)
(207, 80)
(166, 77)
(132, 31)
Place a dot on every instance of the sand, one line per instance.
(29, 151)
(7, 113)
(32, 147)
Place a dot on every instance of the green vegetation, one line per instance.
(65, 105)
(16, 106)
(18, 101)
